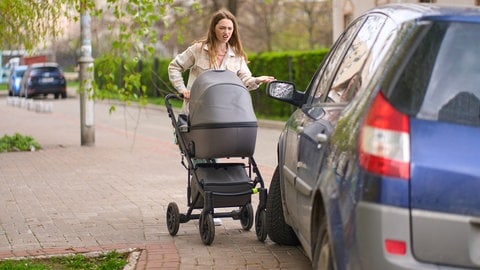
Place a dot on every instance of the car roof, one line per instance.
(401, 13)
(21, 67)
(46, 64)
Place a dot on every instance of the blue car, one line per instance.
(43, 79)
(14, 80)
(379, 166)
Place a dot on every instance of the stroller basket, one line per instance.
(228, 182)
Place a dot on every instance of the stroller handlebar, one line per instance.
(170, 96)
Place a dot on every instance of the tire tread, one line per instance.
(278, 230)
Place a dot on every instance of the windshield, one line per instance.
(50, 70)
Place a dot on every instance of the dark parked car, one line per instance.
(43, 79)
(378, 168)
(14, 80)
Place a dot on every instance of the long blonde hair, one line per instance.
(211, 40)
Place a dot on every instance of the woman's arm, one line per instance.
(248, 80)
(178, 65)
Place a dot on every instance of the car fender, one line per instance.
(326, 200)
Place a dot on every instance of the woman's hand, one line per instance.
(186, 94)
(264, 79)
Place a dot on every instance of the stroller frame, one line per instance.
(206, 199)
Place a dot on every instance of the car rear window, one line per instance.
(41, 70)
(441, 79)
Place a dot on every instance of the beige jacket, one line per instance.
(196, 59)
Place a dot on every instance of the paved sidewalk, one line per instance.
(67, 198)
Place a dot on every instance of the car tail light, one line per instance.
(395, 247)
(385, 141)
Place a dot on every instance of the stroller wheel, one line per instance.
(173, 218)
(246, 216)
(261, 224)
(206, 228)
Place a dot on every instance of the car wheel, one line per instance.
(278, 230)
(56, 95)
(64, 95)
(322, 257)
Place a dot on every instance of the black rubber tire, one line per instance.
(56, 95)
(278, 230)
(322, 256)
(206, 228)
(261, 225)
(246, 216)
(64, 95)
(173, 218)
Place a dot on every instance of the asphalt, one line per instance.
(67, 198)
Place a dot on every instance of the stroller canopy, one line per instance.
(219, 97)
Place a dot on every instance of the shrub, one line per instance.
(18, 142)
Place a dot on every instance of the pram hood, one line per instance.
(219, 97)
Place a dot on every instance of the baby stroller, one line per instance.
(221, 126)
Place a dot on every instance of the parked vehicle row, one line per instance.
(378, 166)
(37, 79)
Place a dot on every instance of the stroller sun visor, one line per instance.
(219, 97)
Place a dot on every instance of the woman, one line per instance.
(220, 49)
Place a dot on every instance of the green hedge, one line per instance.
(297, 67)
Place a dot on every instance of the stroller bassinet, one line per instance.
(221, 124)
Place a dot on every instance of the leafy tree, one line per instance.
(317, 16)
(135, 38)
(263, 23)
(27, 24)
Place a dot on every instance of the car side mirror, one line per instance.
(285, 91)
